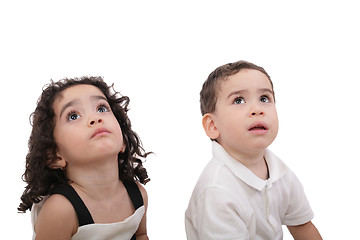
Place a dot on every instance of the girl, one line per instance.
(83, 168)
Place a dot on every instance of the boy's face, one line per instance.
(245, 119)
(86, 129)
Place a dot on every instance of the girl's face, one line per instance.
(86, 131)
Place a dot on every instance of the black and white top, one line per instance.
(89, 230)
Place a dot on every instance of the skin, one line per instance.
(305, 232)
(246, 99)
(91, 165)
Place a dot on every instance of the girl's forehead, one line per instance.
(80, 89)
(77, 93)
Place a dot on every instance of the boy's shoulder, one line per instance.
(216, 176)
(211, 174)
(277, 167)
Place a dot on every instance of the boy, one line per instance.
(245, 192)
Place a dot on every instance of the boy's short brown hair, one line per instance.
(208, 94)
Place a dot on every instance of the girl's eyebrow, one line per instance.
(77, 101)
(98, 97)
(69, 104)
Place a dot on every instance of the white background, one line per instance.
(159, 53)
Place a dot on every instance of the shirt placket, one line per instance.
(269, 208)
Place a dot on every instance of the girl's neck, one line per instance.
(98, 182)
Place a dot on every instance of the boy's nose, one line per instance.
(255, 109)
(257, 113)
(92, 122)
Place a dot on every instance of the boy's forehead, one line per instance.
(245, 79)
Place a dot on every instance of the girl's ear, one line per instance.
(59, 163)
(209, 126)
(123, 148)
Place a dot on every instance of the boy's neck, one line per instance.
(254, 161)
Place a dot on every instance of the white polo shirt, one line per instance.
(231, 202)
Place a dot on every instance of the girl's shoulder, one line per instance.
(143, 193)
(58, 203)
(136, 192)
(65, 221)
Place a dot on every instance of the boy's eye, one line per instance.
(264, 99)
(102, 109)
(239, 100)
(73, 116)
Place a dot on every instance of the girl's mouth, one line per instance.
(99, 132)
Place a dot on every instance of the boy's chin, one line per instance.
(261, 146)
(255, 148)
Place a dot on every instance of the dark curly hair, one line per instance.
(40, 178)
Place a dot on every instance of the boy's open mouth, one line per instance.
(258, 127)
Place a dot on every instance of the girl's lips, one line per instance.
(100, 132)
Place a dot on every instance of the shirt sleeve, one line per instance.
(217, 215)
(299, 210)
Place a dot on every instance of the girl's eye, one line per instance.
(103, 108)
(239, 100)
(264, 99)
(72, 116)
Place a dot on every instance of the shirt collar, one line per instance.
(276, 167)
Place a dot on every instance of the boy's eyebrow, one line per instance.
(76, 101)
(237, 92)
(266, 90)
(245, 91)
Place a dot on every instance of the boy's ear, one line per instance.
(209, 126)
(59, 163)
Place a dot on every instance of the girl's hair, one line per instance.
(208, 94)
(39, 177)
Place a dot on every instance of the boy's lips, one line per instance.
(258, 127)
(100, 131)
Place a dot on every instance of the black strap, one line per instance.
(83, 214)
(134, 193)
(135, 196)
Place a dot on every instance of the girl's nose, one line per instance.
(92, 123)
